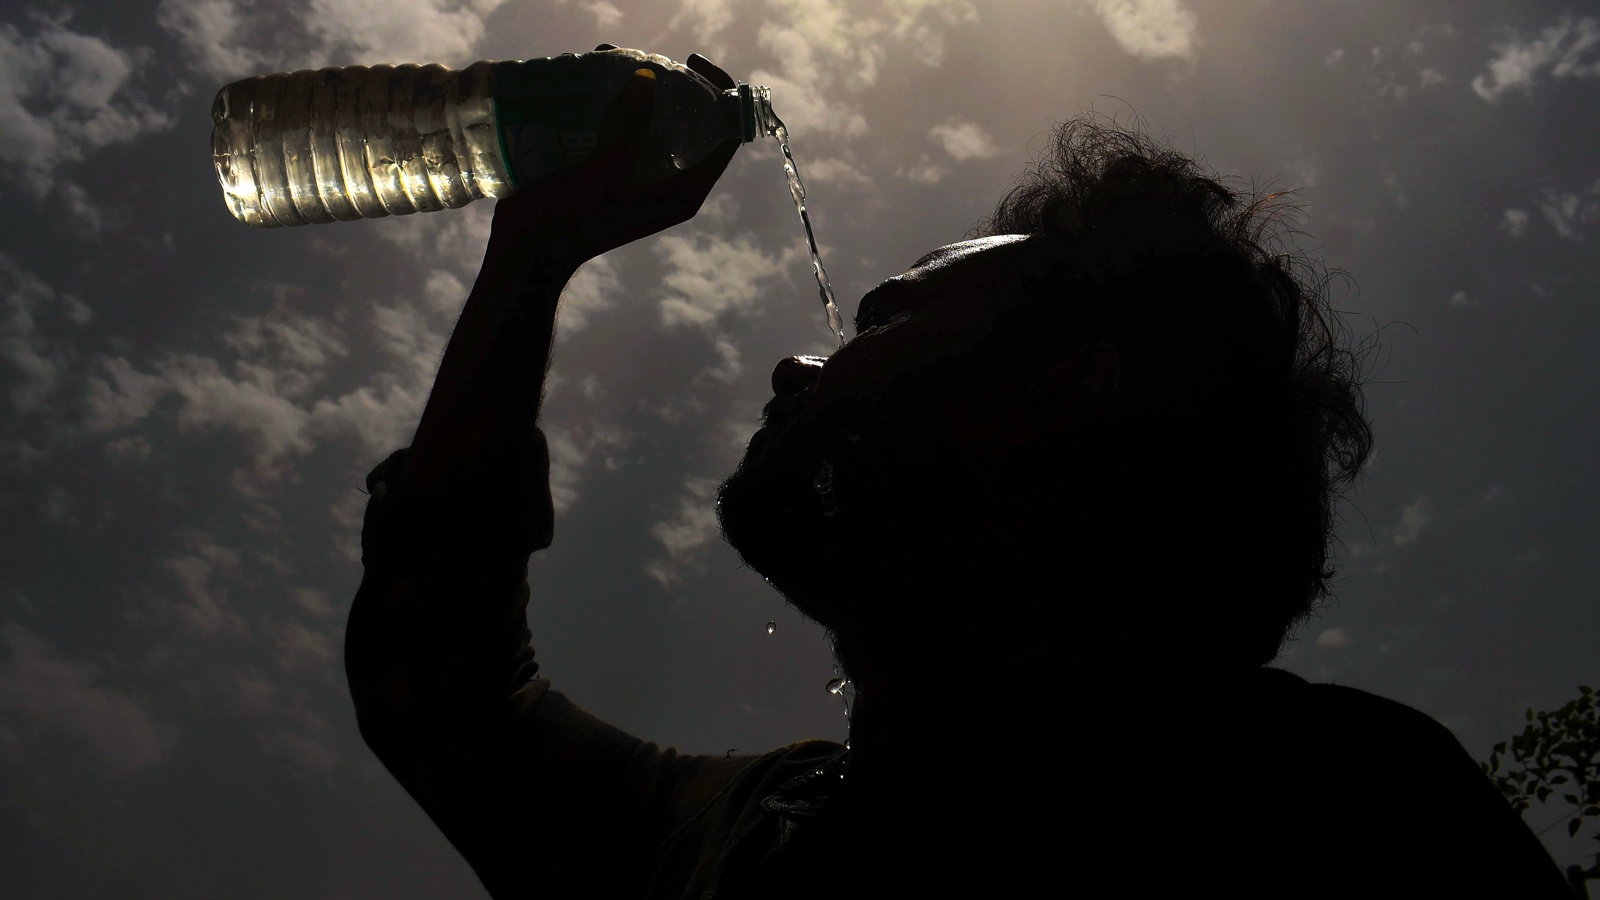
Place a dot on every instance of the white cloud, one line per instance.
(1515, 222)
(444, 292)
(449, 237)
(1333, 56)
(64, 95)
(302, 347)
(400, 31)
(313, 601)
(722, 208)
(406, 333)
(300, 647)
(605, 14)
(40, 685)
(1561, 49)
(381, 418)
(1460, 298)
(1334, 638)
(212, 31)
(1151, 29)
(911, 25)
(570, 451)
(925, 170)
(1414, 517)
(706, 19)
(230, 39)
(127, 398)
(266, 394)
(592, 289)
(685, 536)
(729, 366)
(963, 140)
(567, 460)
(38, 361)
(289, 730)
(708, 277)
(75, 201)
(834, 170)
(203, 606)
(1567, 211)
(1431, 76)
(252, 402)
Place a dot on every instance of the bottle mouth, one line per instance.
(759, 121)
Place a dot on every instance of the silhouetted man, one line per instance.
(1074, 480)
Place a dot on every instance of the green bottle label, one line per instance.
(548, 113)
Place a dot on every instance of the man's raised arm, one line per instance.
(541, 798)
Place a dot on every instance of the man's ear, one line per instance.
(1088, 377)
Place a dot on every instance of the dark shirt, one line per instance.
(1042, 776)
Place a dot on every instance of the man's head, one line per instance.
(1110, 405)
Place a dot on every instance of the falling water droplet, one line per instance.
(771, 627)
(836, 685)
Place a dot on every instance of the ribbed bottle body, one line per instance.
(337, 144)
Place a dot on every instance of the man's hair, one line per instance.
(1209, 492)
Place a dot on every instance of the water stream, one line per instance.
(797, 190)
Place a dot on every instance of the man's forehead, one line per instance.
(951, 252)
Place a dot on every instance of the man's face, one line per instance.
(880, 424)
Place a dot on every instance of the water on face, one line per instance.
(836, 687)
(797, 190)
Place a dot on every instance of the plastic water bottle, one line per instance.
(335, 144)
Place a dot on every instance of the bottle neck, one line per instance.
(755, 111)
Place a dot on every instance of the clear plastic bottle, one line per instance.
(337, 144)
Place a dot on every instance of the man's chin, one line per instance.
(770, 516)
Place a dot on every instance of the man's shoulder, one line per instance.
(1341, 709)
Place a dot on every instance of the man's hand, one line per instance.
(582, 213)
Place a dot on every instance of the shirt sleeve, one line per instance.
(541, 798)
(1464, 839)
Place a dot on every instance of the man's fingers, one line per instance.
(709, 70)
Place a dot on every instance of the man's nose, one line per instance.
(796, 373)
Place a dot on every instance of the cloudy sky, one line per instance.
(189, 405)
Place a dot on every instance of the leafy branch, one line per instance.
(1558, 752)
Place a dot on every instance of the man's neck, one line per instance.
(900, 696)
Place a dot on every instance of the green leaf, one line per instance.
(1573, 826)
(1520, 806)
(1572, 798)
(1559, 779)
(1530, 714)
(1585, 689)
(1591, 810)
(1544, 794)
